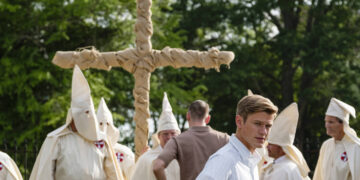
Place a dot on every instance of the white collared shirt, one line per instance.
(232, 162)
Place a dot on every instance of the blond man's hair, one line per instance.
(253, 104)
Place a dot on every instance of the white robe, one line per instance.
(283, 168)
(143, 168)
(125, 158)
(338, 160)
(8, 168)
(65, 155)
(265, 158)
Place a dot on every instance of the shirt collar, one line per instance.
(199, 128)
(251, 158)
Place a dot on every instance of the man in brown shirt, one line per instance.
(193, 147)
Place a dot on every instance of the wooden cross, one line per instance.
(140, 62)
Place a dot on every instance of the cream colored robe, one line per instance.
(143, 168)
(284, 169)
(333, 164)
(65, 155)
(125, 158)
(8, 168)
(265, 158)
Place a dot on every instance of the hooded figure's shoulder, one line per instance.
(153, 152)
(327, 143)
(59, 131)
(290, 164)
(124, 149)
(10, 165)
(3, 156)
(149, 156)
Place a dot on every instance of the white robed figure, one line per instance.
(167, 128)
(288, 163)
(339, 156)
(77, 150)
(124, 155)
(8, 168)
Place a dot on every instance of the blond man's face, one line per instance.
(254, 131)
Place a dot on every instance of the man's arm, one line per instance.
(159, 169)
(168, 154)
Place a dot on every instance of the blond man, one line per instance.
(238, 159)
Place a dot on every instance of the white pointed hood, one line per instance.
(250, 93)
(167, 120)
(82, 108)
(343, 111)
(283, 134)
(106, 122)
(340, 110)
(284, 128)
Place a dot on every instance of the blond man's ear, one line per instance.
(239, 121)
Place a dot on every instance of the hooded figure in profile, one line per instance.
(339, 156)
(288, 163)
(77, 150)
